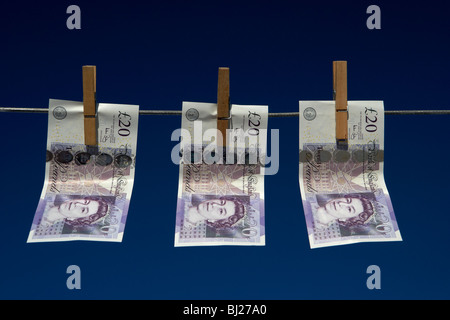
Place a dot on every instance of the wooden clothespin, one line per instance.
(223, 104)
(340, 96)
(89, 105)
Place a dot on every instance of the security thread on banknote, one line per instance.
(344, 194)
(221, 203)
(86, 193)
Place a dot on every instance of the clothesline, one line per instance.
(276, 114)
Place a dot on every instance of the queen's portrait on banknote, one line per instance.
(75, 210)
(217, 212)
(347, 210)
(356, 214)
(69, 217)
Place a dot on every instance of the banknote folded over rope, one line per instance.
(87, 189)
(345, 198)
(221, 191)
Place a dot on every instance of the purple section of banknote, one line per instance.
(346, 199)
(197, 221)
(63, 216)
(220, 204)
(330, 218)
(86, 194)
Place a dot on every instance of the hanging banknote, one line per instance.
(87, 189)
(221, 192)
(345, 198)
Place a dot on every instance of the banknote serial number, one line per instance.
(232, 310)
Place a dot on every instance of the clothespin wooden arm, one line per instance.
(340, 96)
(89, 105)
(223, 104)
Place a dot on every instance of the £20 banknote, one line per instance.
(344, 194)
(87, 189)
(222, 202)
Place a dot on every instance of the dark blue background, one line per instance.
(160, 53)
